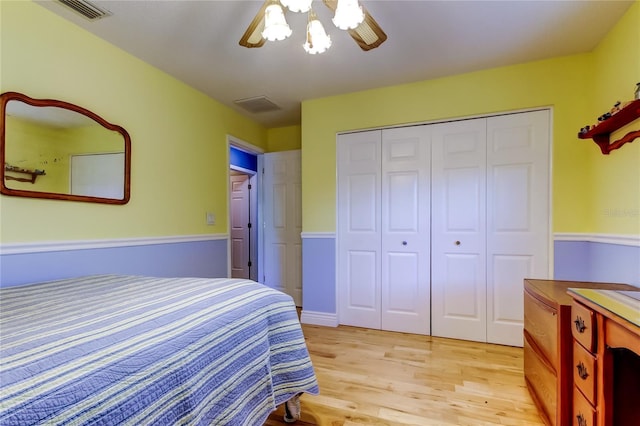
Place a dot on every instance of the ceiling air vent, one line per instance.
(257, 104)
(86, 9)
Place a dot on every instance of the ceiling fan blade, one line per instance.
(252, 37)
(368, 34)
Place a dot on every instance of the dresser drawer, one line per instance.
(584, 371)
(583, 412)
(542, 382)
(584, 326)
(541, 322)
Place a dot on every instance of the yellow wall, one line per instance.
(615, 178)
(565, 84)
(284, 138)
(178, 135)
(179, 161)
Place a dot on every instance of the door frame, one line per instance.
(550, 241)
(242, 145)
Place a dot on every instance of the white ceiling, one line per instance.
(197, 42)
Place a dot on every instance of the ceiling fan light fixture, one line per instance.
(297, 5)
(349, 14)
(275, 24)
(317, 39)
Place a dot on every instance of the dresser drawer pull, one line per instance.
(582, 371)
(579, 322)
(581, 420)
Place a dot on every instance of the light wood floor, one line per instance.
(371, 377)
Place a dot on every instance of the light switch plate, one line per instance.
(211, 218)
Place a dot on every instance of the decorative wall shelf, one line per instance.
(601, 132)
(33, 173)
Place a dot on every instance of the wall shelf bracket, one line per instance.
(33, 173)
(601, 132)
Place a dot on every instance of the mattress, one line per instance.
(109, 349)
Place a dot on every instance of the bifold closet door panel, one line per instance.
(439, 224)
(405, 236)
(358, 216)
(518, 231)
(458, 229)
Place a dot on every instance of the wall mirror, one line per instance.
(57, 150)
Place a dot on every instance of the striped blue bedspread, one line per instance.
(129, 350)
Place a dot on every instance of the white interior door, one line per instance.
(458, 231)
(405, 277)
(240, 237)
(358, 211)
(517, 217)
(283, 223)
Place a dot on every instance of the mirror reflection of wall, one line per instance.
(69, 152)
(33, 146)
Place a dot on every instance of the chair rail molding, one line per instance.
(619, 239)
(318, 235)
(51, 246)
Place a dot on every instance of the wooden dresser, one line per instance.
(606, 357)
(548, 345)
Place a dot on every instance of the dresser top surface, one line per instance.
(624, 304)
(555, 291)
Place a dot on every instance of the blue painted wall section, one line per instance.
(319, 274)
(243, 159)
(190, 259)
(571, 260)
(590, 261)
(574, 261)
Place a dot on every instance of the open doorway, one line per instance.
(243, 213)
(243, 238)
(265, 218)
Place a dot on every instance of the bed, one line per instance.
(133, 350)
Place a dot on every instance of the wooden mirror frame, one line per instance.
(15, 96)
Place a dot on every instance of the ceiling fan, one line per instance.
(367, 34)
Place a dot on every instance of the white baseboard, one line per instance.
(319, 318)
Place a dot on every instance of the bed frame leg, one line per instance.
(292, 409)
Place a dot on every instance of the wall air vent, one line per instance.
(257, 104)
(86, 9)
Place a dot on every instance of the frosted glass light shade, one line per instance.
(275, 25)
(348, 15)
(297, 5)
(317, 39)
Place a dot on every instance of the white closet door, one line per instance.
(458, 231)
(406, 158)
(517, 217)
(283, 223)
(358, 251)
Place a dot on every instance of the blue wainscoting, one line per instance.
(597, 258)
(319, 279)
(184, 257)
(577, 257)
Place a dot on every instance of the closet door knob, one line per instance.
(457, 243)
(404, 243)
